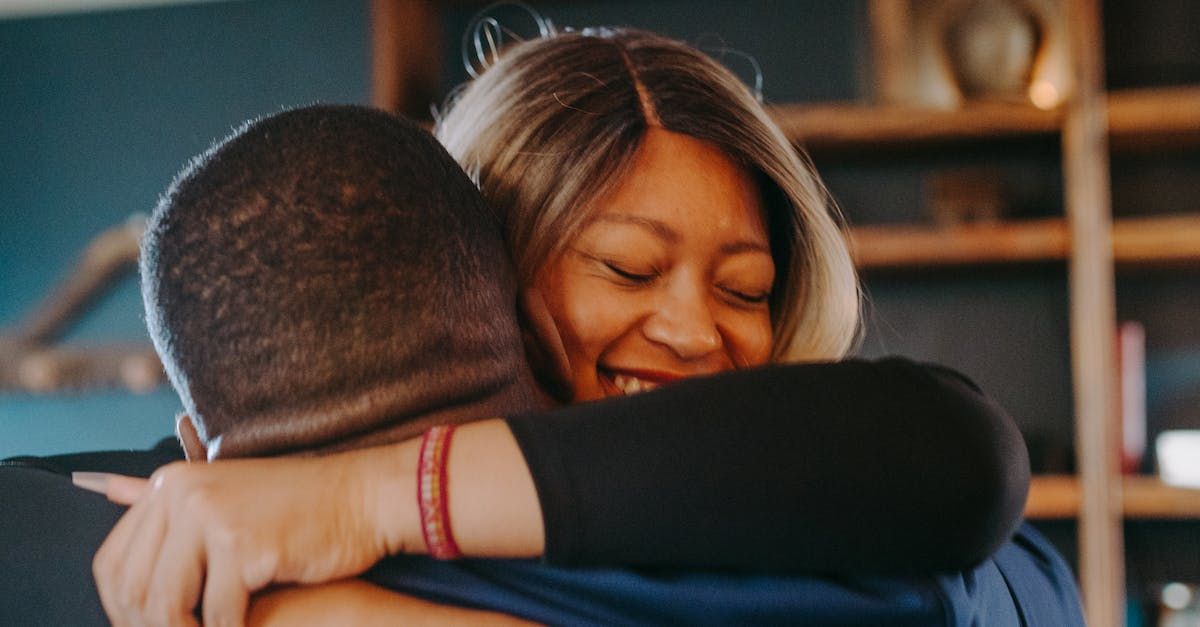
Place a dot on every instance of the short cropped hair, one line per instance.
(321, 278)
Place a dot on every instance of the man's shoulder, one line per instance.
(1026, 583)
(1040, 579)
(627, 597)
(50, 530)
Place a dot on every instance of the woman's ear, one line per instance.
(193, 447)
(544, 346)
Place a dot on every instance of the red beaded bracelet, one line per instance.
(432, 494)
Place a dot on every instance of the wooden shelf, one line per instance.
(877, 247)
(1136, 242)
(849, 125)
(1156, 240)
(1142, 117)
(1154, 117)
(1057, 497)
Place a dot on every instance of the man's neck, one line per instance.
(520, 394)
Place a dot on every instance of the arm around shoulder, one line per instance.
(870, 467)
(987, 469)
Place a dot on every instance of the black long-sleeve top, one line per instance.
(871, 467)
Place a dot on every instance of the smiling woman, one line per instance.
(670, 278)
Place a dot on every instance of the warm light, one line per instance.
(1044, 94)
(1178, 454)
(1176, 596)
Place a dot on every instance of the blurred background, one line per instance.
(942, 127)
(101, 108)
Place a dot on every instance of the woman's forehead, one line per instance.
(677, 182)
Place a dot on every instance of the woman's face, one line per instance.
(671, 277)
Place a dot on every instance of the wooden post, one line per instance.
(406, 47)
(1093, 322)
(891, 62)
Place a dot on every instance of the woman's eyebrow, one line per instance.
(664, 231)
(744, 246)
(657, 227)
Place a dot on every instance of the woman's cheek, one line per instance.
(753, 341)
(596, 314)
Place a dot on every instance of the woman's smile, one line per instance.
(631, 381)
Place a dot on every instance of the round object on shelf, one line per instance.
(991, 47)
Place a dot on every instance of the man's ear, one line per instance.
(544, 346)
(193, 448)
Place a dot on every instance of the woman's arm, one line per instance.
(871, 467)
(359, 603)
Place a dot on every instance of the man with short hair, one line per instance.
(328, 278)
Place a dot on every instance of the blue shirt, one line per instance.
(1026, 583)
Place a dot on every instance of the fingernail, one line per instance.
(94, 481)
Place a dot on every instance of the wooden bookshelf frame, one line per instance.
(1136, 118)
(899, 247)
(849, 125)
(1152, 118)
(1136, 242)
(1057, 497)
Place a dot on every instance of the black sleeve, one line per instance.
(136, 463)
(49, 531)
(870, 467)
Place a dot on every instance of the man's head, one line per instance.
(328, 277)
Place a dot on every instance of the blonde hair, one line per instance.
(554, 123)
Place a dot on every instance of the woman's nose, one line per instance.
(685, 324)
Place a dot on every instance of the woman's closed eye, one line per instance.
(622, 271)
(746, 298)
(629, 275)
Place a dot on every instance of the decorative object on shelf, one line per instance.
(1180, 605)
(960, 196)
(942, 53)
(1131, 371)
(1178, 454)
(991, 47)
(32, 360)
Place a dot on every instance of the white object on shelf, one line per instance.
(1178, 455)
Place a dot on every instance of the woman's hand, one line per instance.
(230, 528)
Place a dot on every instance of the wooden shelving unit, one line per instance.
(1091, 244)
(1148, 118)
(1136, 118)
(1058, 497)
(849, 126)
(1158, 240)
(898, 247)
(1086, 239)
(1136, 242)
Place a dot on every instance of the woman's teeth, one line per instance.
(632, 385)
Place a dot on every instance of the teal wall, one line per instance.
(97, 112)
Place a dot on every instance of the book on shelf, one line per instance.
(1131, 387)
